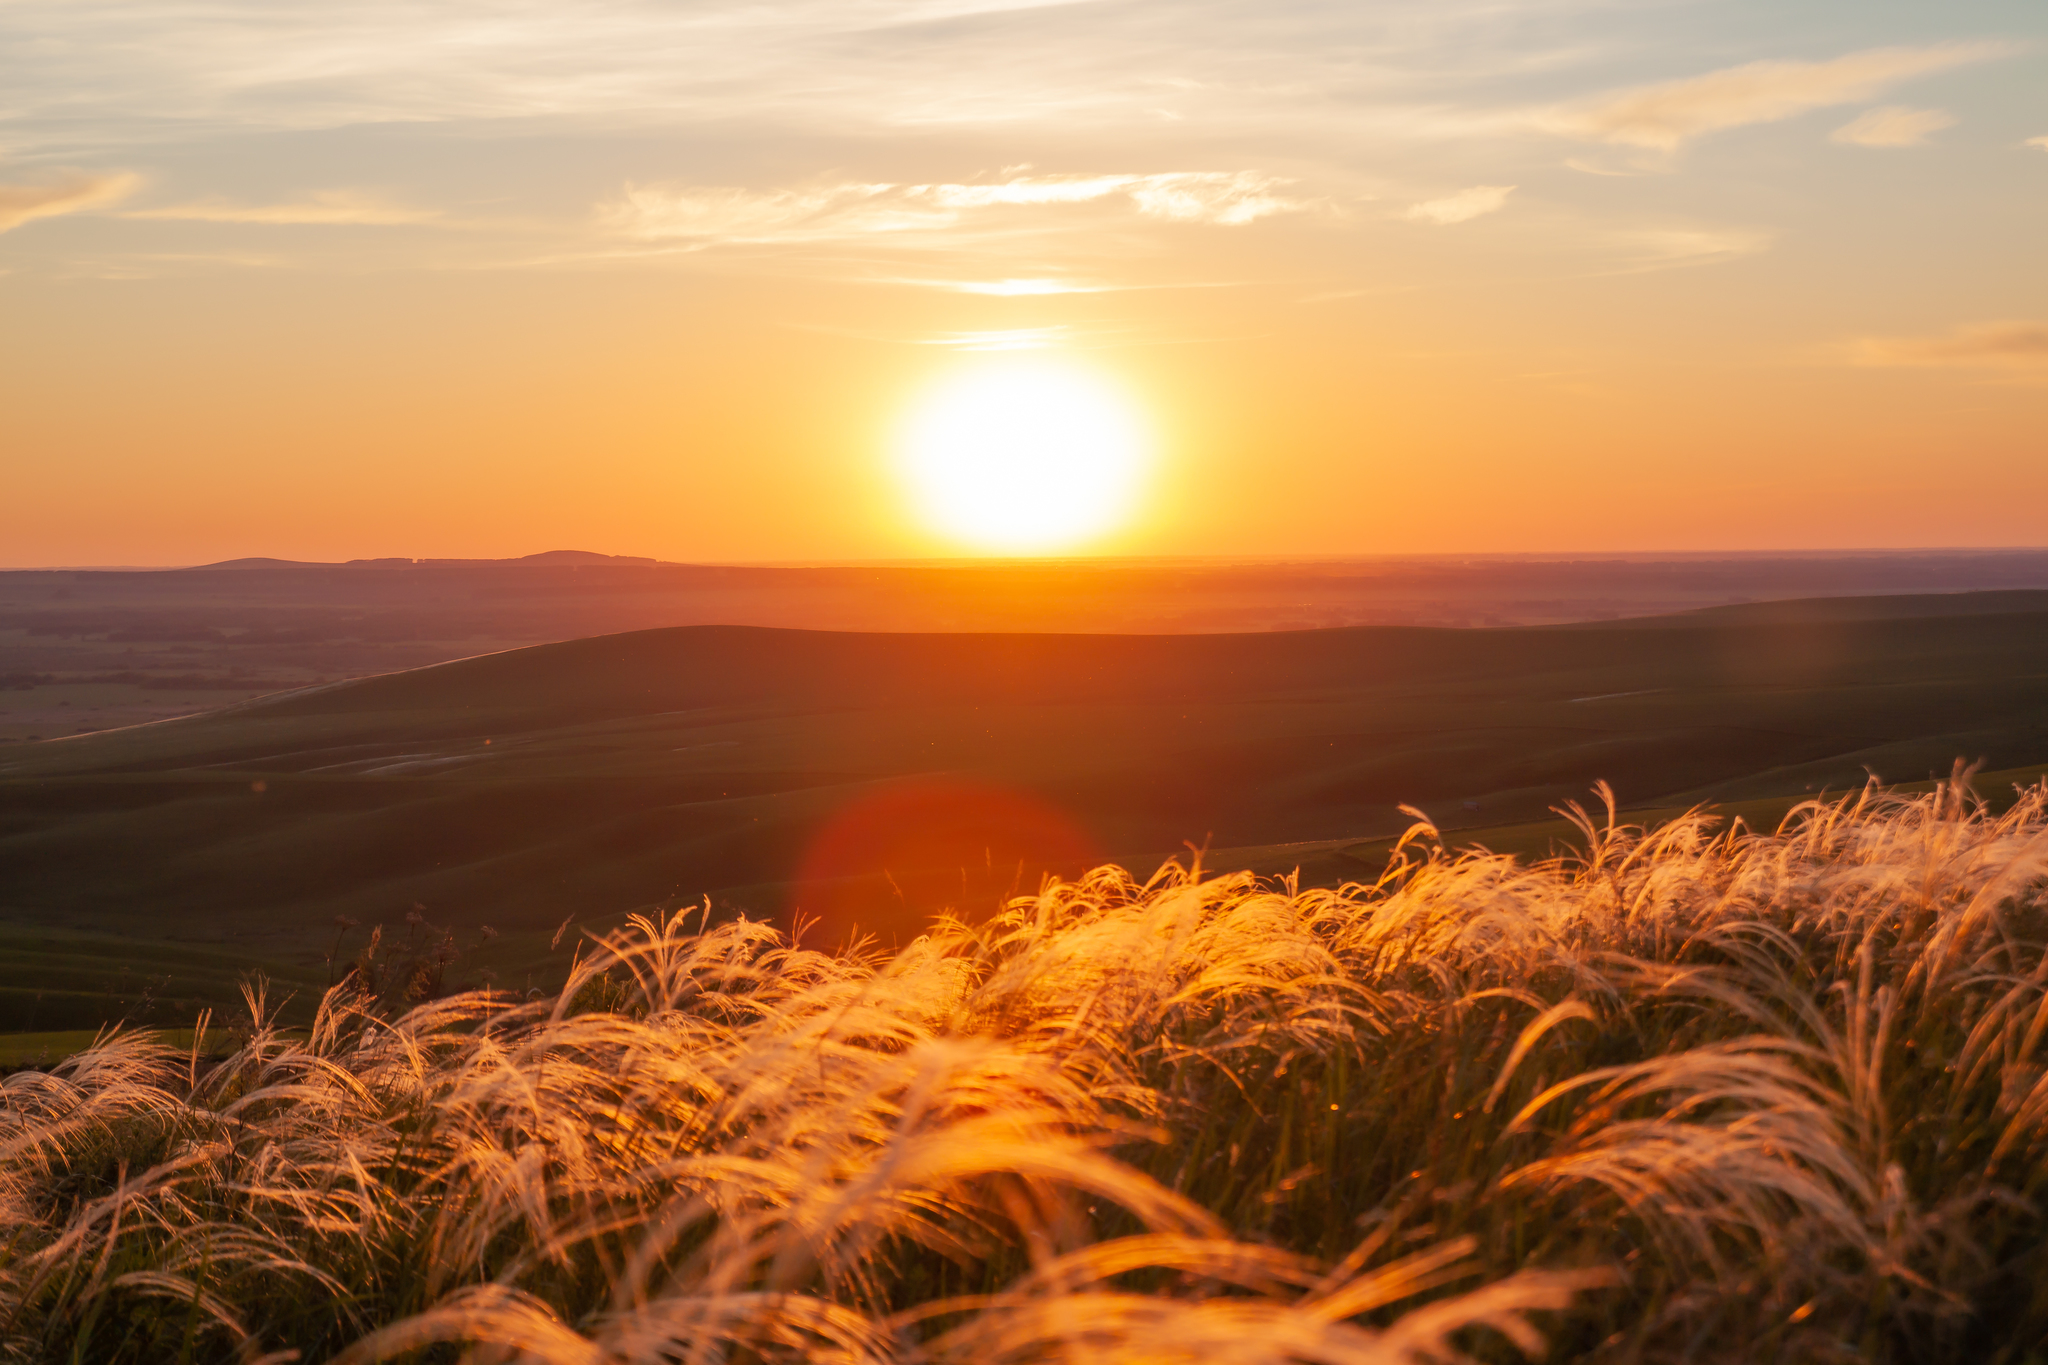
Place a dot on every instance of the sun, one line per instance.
(1023, 456)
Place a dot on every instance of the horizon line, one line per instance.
(392, 563)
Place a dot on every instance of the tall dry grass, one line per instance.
(1696, 1093)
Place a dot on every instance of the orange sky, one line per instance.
(349, 281)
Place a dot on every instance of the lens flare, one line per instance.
(1024, 456)
(885, 862)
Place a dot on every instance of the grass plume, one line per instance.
(1690, 1093)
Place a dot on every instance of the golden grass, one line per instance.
(41, 1050)
(1697, 1093)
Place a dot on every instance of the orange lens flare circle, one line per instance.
(889, 861)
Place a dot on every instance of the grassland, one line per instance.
(600, 776)
(57, 710)
(1694, 1093)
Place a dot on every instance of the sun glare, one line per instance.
(1024, 456)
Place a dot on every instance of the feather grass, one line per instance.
(1691, 1093)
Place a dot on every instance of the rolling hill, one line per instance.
(869, 779)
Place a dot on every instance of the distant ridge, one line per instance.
(259, 562)
(545, 559)
(550, 557)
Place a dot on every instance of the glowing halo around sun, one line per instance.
(1023, 456)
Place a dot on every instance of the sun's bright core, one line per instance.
(1024, 456)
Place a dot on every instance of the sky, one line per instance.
(487, 277)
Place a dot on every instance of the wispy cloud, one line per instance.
(1665, 116)
(1228, 198)
(1893, 125)
(2041, 142)
(1041, 189)
(712, 214)
(1589, 167)
(328, 208)
(1038, 286)
(1022, 288)
(727, 214)
(1461, 207)
(73, 193)
(142, 73)
(1231, 198)
(1983, 345)
(1011, 339)
(1667, 248)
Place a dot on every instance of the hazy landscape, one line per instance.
(85, 650)
(1620, 959)
(1023, 682)
(1582, 985)
(146, 869)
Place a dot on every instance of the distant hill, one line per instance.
(1808, 610)
(550, 559)
(596, 775)
(546, 559)
(581, 557)
(83, 650)
(255, 563)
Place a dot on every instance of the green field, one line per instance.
(143, 871)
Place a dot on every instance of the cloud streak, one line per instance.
(74, 193)
(1461, 207)
(710, 215)
(1893, 125)
(1020, 288)
(330, 208)
(1009, 339)
(324, 209)
(714, 214)
(1642, 250)
(1983, 345)
(1665, 116)
(147, 74)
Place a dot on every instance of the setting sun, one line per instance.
(1024, 456)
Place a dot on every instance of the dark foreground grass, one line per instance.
(1695, 1093)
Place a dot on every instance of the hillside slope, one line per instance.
(601, 774)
